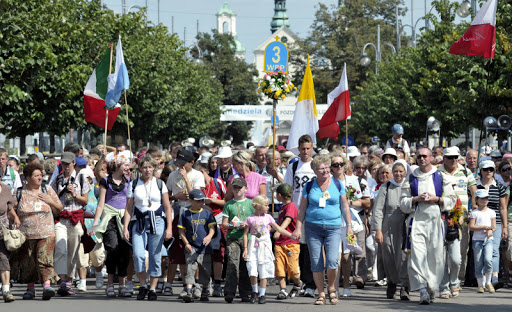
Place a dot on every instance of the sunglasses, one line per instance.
(421, 156)
(488, 169)
(337, 165)
(451, 157)
(506, 169)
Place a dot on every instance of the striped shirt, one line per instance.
(461, 180)
(496, 192)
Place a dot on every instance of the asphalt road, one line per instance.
(368, 299)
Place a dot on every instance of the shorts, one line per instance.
(177, 252)
(287, 264)
(218, 255)
(263, 270)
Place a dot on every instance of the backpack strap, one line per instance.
(134, 185)
(295, 165)
(13, 177)
(159, 183)
(217, 187)
(309, 185)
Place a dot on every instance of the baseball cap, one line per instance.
(495, 154)
(284, 189)
(184, 156)
(481, 193)
(239, 182)
(398, 129)
(68, 157)
(80, 161)
(197, 195)
(487, 164)
(451, 151)
(205, 157)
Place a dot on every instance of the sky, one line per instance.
(253, 16)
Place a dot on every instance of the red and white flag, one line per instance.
(338, 102)
(480, 38)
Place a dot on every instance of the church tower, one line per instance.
(280, 17)
(226, 24)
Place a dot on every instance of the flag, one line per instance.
(118, 81)
(94, 96)
(338, 102)
(480, 38)
(305, 117)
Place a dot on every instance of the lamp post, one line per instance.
(124, 10)
(412, 42)
(365, 60)
(432, 125)
(464, 9)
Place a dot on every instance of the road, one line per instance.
(368, 299)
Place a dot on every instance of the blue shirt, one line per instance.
(331, 213)
(198, 223)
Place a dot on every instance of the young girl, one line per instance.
(258, 251)
(483, 223)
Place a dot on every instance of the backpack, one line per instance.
(19, 192)
(158, 183)
(80, 178)
(309, 185)
(400, 148)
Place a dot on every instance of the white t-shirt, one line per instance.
(353, 182)
(176, 183)
(145, 193)
(303, 175)
(482, 218)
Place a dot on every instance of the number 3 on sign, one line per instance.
(276, 57)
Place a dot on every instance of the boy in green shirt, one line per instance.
(235, 212)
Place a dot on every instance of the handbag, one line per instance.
(13, 239)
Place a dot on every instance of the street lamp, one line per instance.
(432, 125)
(465, 8)
(365, 60)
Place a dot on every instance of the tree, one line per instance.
(235, 77)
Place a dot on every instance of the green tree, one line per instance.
(234, 76)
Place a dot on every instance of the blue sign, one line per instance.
(272, 120)
(350, 141)
(276, 57)
(375, 139)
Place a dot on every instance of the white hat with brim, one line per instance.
(390, 151)
(224, 152)
(353, 151)
(487, 164)
(451, 151)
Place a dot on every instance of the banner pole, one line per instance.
(274, 104)
(106, 108)
(128, 126)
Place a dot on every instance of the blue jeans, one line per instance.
(496, 248)
(328, 237)
(483, 251)
(154, 246)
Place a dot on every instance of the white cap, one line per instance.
(205, 157)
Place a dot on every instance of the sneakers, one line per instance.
(282, 294)
(229, 298)
(295, 290)
(123, 292)
(48, 293)
(204, 296)
(65, 290)
(346, 292)
(129, 287)
(404, 294)
(100, 282)
(490, 288)
(262, 300)
(29, 294)
(424, 297)
(8, 297)
(480, 290)
(309, 293)
(110, 292)
(151, 295)
(217, 291)
(82, 286)
(143, 291)
(196, 293)
(187, 297)
(497, 285)
(381, 282)
(254, 296)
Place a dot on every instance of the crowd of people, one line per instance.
(236, 218)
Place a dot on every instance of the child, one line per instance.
(235, 212)
(258, 251)
(397, 141)
(197, 227)
(287, 250)
(482, 222)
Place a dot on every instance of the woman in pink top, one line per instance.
(256, 183)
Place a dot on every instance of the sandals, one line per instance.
(320, 300)
(455, 292)
(333, 296)
(444, 296)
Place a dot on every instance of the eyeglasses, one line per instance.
(451, 157)
(488, 169)
(421, 156)
(162, 163)
(337, 165)
(360, 168)
(506, 169)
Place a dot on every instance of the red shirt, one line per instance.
(287, 211)
(211, 192)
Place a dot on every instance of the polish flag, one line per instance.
(338, 102)
(480, 38)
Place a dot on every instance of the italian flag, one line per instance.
(94, 96)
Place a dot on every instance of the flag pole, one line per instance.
(128, 126)
(106, 114)
(346, 133)
(274, 104)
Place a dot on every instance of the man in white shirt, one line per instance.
(182, 181)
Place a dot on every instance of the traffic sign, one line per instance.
(375, 139)
(350, 141)
(276, 57)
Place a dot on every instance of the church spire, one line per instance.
(280, 17)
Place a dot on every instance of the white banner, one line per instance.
(262, 112)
